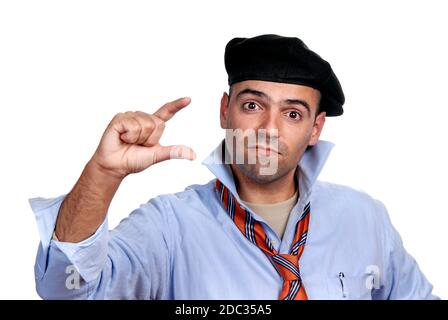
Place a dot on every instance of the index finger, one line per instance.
(168, 110)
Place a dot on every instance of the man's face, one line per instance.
(282, 117)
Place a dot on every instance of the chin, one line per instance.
(254, 173)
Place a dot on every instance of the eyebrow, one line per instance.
(299, 102)
(265, 96)
(254, 92)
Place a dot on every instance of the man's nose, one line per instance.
(270, 121)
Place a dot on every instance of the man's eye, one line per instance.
(294, 115)
(250, 106)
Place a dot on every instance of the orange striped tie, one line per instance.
(287, 265)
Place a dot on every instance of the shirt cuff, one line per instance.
(88, 256)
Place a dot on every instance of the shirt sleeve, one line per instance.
(129, 262)
(402, 278)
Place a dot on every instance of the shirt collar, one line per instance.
(310, 165)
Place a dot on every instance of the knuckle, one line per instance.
(131, 125)
(149, 124)
(135, 127)
(141, 113)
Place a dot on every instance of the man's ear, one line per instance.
(223, 110)
(317, 128)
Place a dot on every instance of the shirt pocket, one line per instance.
(348, 287)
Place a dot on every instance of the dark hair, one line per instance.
(230, 91)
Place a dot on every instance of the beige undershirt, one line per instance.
(275, 214)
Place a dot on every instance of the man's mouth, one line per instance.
(264, 150)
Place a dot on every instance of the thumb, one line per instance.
(175, 152)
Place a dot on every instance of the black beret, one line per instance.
(283, 59)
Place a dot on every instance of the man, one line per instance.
(265, 228)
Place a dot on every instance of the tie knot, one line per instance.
(287, 266)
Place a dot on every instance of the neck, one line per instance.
(264, 193)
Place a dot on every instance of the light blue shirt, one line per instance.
(185, 246)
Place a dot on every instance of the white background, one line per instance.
(67, 67)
